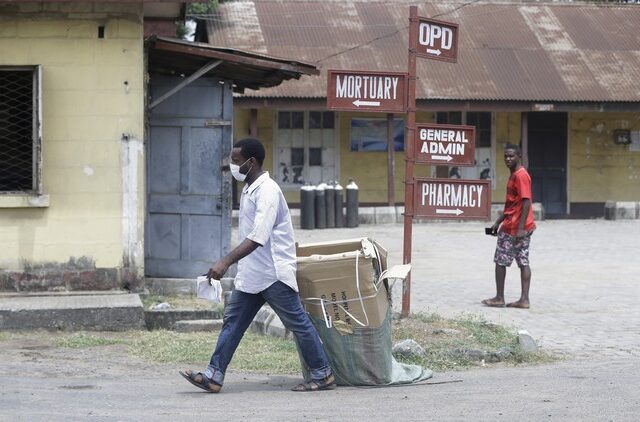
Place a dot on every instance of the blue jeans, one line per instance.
(240, 311)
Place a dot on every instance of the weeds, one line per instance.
(448, 343)
(83, 340)
(462, 342)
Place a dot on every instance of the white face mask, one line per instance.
(235, 171)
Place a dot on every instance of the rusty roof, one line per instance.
(507, 51)
(246, 69)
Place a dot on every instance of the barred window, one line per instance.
(19, 129)
(306, 149)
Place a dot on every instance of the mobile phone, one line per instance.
(489, 231)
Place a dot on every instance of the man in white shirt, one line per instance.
(266, 273)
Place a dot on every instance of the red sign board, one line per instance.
(452, 198)
(354, 90)
(437, 40)
(450, 145)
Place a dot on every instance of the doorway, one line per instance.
(547, 161)
(188, 222)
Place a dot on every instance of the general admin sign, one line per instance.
(354, 90)
(452, 145)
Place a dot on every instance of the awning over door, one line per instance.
(245, 69)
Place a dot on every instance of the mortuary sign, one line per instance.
(452, 198)
(354, 90)
(437, 40)
(452, 145)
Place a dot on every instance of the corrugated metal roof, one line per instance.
(247, 70)
(507, 51)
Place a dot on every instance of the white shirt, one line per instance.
(264, 218)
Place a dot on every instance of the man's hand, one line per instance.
(218, 269)
(221, 266)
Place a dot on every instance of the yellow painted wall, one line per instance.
(507, 132)
(87, 107)
(599, 169)
(369, 169)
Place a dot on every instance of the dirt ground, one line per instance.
(42, 382)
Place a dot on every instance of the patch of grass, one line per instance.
(83, 340)
(256, 353)
(452, 343)
(446, 342)
(3, 336)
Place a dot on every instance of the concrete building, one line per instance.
(113, 149)
(559, 78)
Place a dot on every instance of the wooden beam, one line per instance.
(198, 73)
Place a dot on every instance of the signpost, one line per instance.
(453, 198)
(452, 145)
(437, 40)
(355, 90)
(395, 92)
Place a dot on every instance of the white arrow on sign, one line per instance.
(457, 211)
(435, 52)
(359, 103)
(442, 157)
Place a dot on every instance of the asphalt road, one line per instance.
(584, 305)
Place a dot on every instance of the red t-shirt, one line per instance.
(518, 188)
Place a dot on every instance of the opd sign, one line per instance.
(452, 198)
(451, 145)
(437, 40)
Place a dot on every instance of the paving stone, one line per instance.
(584, 289)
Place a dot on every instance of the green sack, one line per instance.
(364, 358)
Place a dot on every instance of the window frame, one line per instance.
(307, 147)
(397, 120)
(33, 197)
(492, 138)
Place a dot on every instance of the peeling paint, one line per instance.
(88, 170)
(78, 273)
(132, 149)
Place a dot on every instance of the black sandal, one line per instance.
(328, 383)
(201, 381)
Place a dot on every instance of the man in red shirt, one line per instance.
(514, 228)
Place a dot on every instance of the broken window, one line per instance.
(19, 129)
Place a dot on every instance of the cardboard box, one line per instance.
(331, 289)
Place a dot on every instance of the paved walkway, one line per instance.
(585, 293)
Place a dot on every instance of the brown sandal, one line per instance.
(328, 383)
(201, 381)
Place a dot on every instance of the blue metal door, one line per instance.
(188, 224)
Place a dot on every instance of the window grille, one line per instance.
(306, 150)
(19, 129)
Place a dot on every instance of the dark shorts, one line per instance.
(510, 248)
